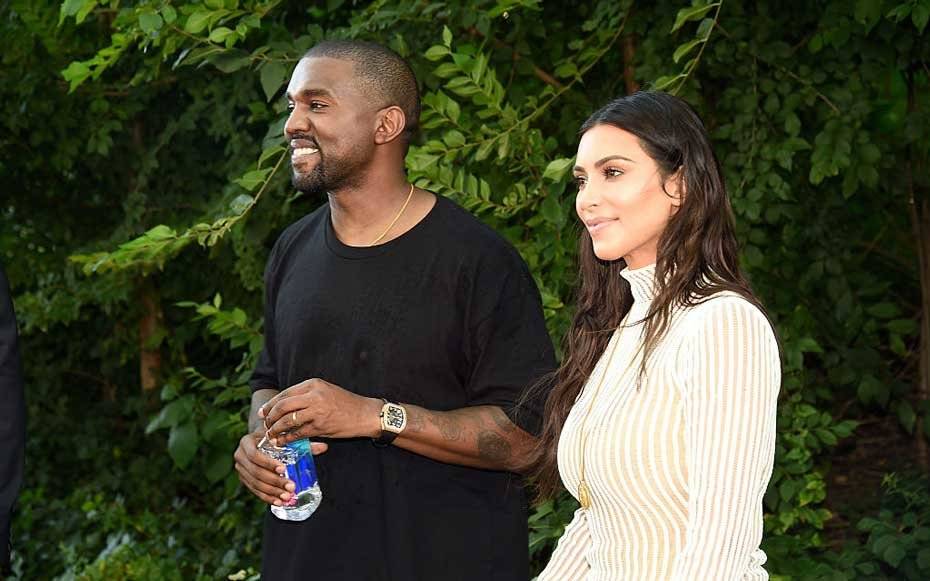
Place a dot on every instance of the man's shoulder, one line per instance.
(470, 237)
(300, 230)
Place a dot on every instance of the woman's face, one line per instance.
(620, 196)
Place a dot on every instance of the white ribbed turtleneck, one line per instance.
(677, 468)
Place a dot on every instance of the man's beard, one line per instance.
(324, 178)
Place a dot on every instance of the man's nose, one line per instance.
(297, 123)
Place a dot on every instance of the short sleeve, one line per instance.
(265, 375)
(508, 345)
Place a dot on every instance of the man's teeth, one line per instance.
(304, 151)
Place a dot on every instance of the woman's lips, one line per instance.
(598, 224)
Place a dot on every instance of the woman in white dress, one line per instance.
(662, 419)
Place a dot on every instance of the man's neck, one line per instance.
(361, 214)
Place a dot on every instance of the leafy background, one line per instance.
(144, 183)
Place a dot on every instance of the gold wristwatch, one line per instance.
(393, 422)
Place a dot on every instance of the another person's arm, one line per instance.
(12, 419)
(730, 395)
(509, 349)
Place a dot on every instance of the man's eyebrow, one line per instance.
(310, 93)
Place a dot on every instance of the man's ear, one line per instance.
(675, 187)
(390, 124)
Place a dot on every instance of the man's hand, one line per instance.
(315, 408)
(262, 475)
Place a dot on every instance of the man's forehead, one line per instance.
(323, 75)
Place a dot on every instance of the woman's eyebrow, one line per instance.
(604, 160)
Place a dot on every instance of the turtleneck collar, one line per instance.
(642, 282)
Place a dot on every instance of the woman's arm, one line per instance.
(730, 395)
(568, 561)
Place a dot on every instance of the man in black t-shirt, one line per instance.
(400, 333)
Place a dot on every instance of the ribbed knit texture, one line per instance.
(677, 468)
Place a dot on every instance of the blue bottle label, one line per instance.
(303, 471)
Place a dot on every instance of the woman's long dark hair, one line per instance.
(697, 257)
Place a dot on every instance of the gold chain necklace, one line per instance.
(584, 493)
(396, 218)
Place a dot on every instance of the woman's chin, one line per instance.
(607, 254)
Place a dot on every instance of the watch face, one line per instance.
(394, 418)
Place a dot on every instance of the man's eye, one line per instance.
(316, 105)
(290, 106)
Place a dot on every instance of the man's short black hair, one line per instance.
(381, 72)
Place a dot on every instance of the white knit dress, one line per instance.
(676, 469)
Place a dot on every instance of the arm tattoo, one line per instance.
(502, 421)
(415, 422)
(448, 426)
(492, 447)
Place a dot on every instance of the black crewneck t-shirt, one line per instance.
(445, 316)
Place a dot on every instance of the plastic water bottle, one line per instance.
(300, 469)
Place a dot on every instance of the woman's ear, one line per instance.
(675, 187)
(390, 124)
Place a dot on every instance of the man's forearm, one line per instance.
(480, 437)
(259, 398)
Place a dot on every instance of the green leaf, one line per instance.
(808, 344)
(894, 554)
(436, 52)
(269, 153)
(884, 310)
(551, 211)
(75, 74)
(169, 13)
(219, 463)
(446, 36)
(454, 138)
(220, 34)
(923, 559)
(692, 13)
(684, 49)
(704, 28)
(250, 180)
(663, 83)
(906, 415)
(920, 15)
(230, 61)
(182, 444)
(868, 12)
(79, 9)
(197, 21)
(557, 168)
(150, 22)
(172, 414)
(903, 326)
(272, 77)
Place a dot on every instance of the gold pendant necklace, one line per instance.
(396, 218)
(584, 493)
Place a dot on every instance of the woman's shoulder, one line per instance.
(725, 309)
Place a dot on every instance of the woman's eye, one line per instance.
(580, 182)
(612, 172)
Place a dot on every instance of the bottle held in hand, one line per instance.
(301, 470)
